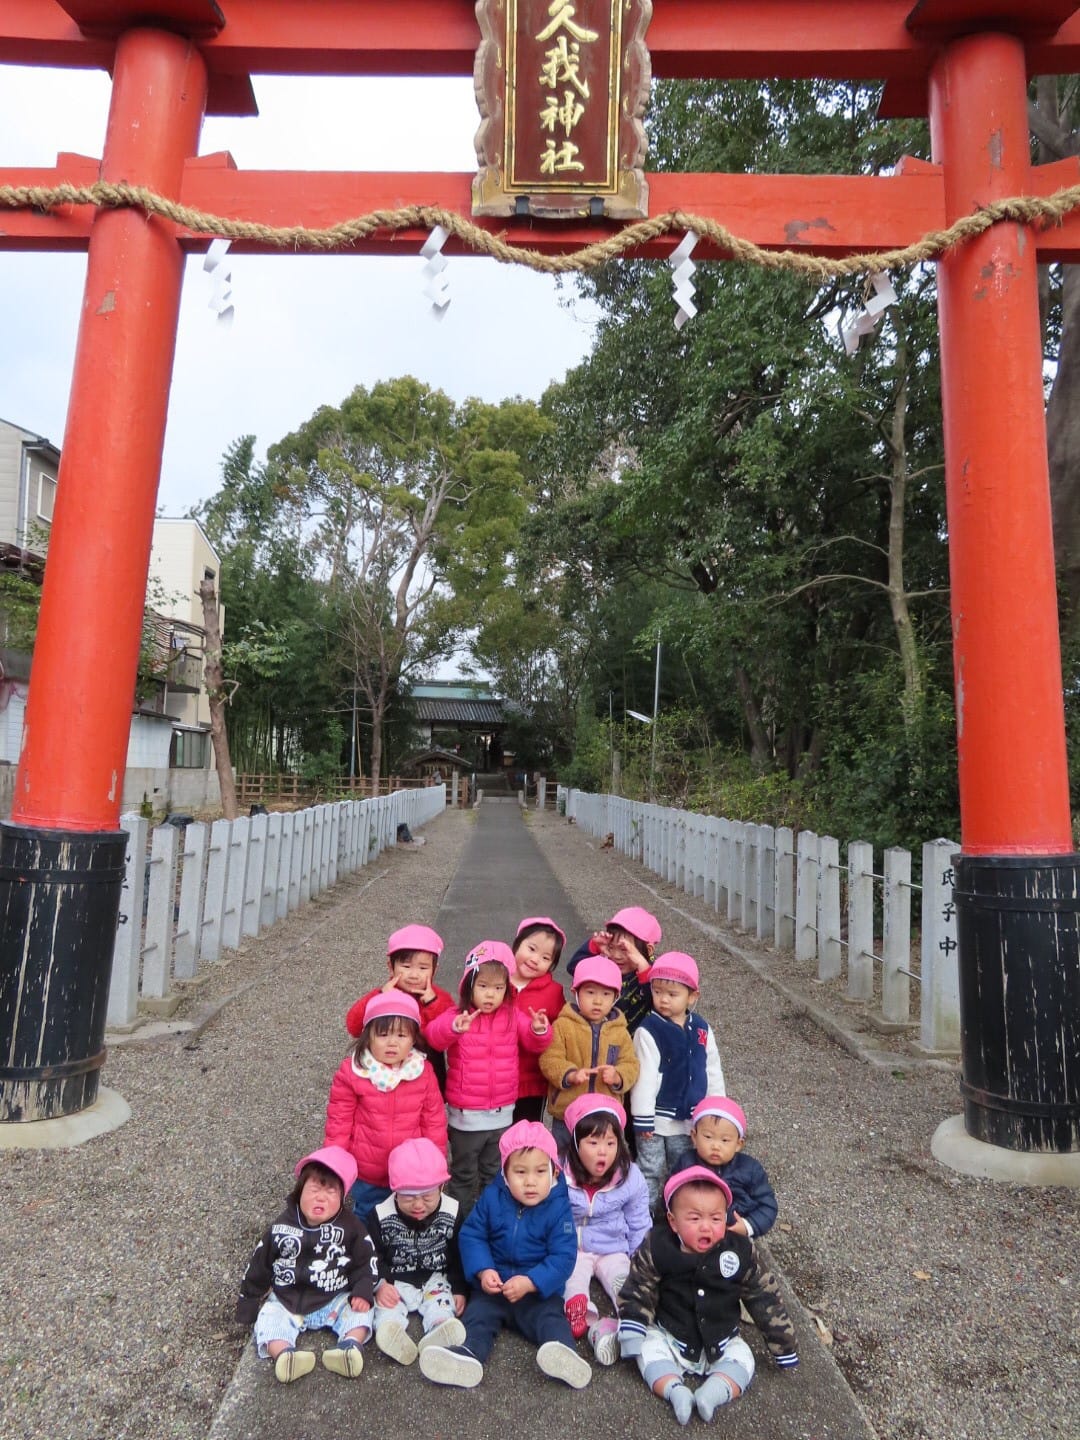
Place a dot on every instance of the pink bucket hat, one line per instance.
(538, 920)
(527, 1135)
(415, 937)
(594, 1104)
(690, 1174)
(598, 969)
(417, 1165)
(639, 922)
(485, 953)
(723, 1109)
(674, 965)
(392, 1002)
(336, 1159)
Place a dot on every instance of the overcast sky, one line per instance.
(306, 330)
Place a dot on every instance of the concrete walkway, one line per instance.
(501, 877)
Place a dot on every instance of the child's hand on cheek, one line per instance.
(490, 1282)
(517, 1287)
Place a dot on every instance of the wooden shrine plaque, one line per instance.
(562, 87)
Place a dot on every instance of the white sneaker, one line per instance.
(561, 1363)
(446, 1366)
(349, 1363)
(604, 1338)
(393, 1339)
(447, 1332)
(291, 1365)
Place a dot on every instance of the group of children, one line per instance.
(511, 1229)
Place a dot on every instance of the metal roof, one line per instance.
(459, 712)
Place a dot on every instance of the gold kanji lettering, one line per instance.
(562, 65)
(562, 18)
(557, 159)
(566, 115)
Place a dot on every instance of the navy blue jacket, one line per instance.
(751, 1194)
(635, 997)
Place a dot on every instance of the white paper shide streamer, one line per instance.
(866, 321)
(682, 278)
(437, 282)
(221, 299)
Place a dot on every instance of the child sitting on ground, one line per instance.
(412, 956)
(718, 1128)
(313, 1269)
(383, 1093)
(717, 1137)
(591, 1050)
(537, 947)
(483, 1040)
(628, 938)
(680, 1065)
(610, 1204)
(679, 1308)
(415, 1234)
(517, 1248)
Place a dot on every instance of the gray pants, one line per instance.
(474, 1161)
(655, 1156)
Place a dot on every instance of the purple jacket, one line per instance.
(616, 1219)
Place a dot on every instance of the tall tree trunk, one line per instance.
(760, 747)
(898, 600)
(376, 742)
(215, 690)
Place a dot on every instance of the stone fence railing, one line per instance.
(205, 887)
(847, 920)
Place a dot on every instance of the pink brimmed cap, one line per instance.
(527, 1135)
(674, 965)
(488, 952)
(536, 921)
(639, 922)
(723, 1109)
(392, 1002)
(417, 1165)
(335, 1159)
(415, 937)
(587, 1104)
(688, 1176)
(598, 969)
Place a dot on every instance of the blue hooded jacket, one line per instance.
(534, 1240)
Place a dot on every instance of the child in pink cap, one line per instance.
(591, 1051)
(679, 1307)
(415, 1234)
(717, 1138)
(483, 1041)
(610, 1204)
(629, 938)
(517, 1248)
(383, 1093)
(680, 1065)
(412, 955)
(314, 1269)
(537, 948)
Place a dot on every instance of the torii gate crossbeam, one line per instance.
(965, 61)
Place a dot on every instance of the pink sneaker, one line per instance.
(577, 1312)
(604, 1339)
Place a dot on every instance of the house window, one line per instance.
(189, 750)
(46, 496)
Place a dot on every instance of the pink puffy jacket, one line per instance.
(482, 1063)
(369, 1122)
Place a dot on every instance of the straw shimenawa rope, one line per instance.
(1023, 209)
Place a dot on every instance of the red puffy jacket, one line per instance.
(543, 993)
(482, 1066)
(369, 1122)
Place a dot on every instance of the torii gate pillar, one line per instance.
(62, 857)
(1017, 882)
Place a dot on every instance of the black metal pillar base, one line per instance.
(1018, 927)
(59, 900)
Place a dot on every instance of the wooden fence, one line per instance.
(205, 887)
(796, 895)
(280, 789)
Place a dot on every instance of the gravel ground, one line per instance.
(952, 1303)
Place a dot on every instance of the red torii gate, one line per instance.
(964, 62)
